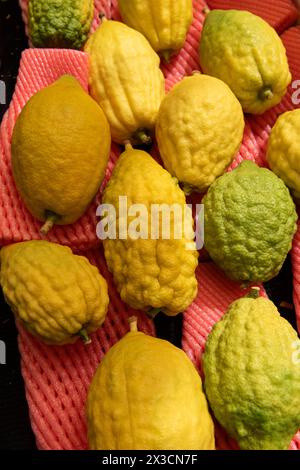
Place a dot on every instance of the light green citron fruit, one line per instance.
(283, 153)
(60, 23)
(246, 53)
(252, 375)
(250, 219)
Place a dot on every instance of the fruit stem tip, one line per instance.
(102, 16)
(253, 293)
(133, 324)
(142, 137)
(266, 94)
(128, 145)
(166, 55)
(83, 334)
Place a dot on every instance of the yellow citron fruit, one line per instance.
(283, 152)
(60, 149)
(56, 295)
(156, 270)
(199, 129)
(146, 394)
(246, 53)
(163, 23)
(125, 79)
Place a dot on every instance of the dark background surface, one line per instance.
(15, 430)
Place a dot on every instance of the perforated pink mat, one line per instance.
(57, 378)
(281, 14)
(216, 293)
(40, 68)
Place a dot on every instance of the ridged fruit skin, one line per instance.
(246, 53)
(125, 79)
(283, 152)
(146, 394)
(52, 292)
(164, 23)
(60, 23)
(150, 273)
(60, 149)
(199, 129)
(252, 378)
(249, 223)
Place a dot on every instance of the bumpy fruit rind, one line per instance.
(250, 220)
(246, 53)
(199, 129)
(283, 152)
(125, 79)
(153, 271)
(56, 295)
(163, 23)
(252, 375)
(60, 23)
(146, 394)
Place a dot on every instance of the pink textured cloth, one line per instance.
(216, 293)
(39, 68)
(57, 379)
(262, 125)
(281, 14)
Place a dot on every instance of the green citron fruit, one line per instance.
(60, 149)
(250, 220)
(60, 23)
(146, 394)
(252, 375)
(246, 53)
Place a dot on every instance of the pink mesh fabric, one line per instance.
(262, 125)
(281, 14)
(57, 379)
(219, 291)
(216, 293)
(39, 68)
